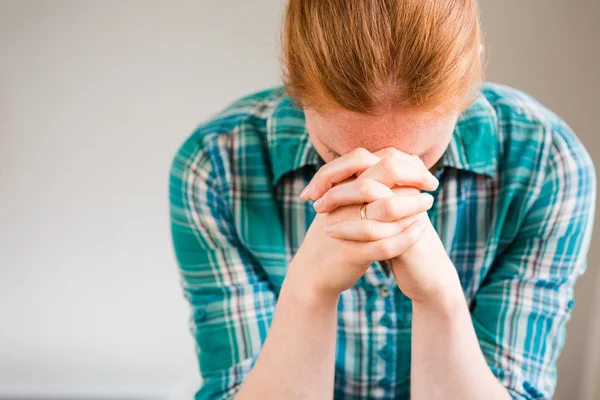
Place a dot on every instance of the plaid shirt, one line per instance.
(514, 210)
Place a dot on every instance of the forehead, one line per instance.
(409, 129)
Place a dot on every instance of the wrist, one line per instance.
(305, 291)
(444, 301)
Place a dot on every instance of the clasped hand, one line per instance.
(339, 245)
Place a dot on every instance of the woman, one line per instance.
(316, 264)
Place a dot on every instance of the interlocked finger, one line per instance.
(394, 208)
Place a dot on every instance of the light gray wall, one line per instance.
(95, 97)
(550, 49)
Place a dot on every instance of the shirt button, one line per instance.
(384, 291)
(386, 320)
(385, 383)
(200, 314)
(385, 353)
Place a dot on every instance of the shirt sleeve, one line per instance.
(231, 300)
(520, 312)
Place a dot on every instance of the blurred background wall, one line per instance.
(95, 97)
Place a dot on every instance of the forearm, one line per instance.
(447, 361)
(298, 357)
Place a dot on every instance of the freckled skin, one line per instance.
(340, 131)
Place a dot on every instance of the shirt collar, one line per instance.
(473, 146)
(290, 147)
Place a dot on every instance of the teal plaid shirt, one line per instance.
(514, 210)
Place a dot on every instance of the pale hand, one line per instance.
(332, 264)
(423, 271)
(325, 265)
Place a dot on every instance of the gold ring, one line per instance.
(363, 211)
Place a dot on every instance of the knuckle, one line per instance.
(403, 224)
(427, 176)
(361, 153)
(417, 158)
(365, 187)
(397, 154)
(323, 172)
(412, 237)
(388, 152)
(390, 165)
(385, 250)
(390, 207)
(387, 164)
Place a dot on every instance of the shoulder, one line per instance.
(532, 139)
(521, 117)
(225, 140)
(246, 116)
(543, 168)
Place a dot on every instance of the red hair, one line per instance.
(370, 56)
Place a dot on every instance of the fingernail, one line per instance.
(304, 192)
(329, 228)
(318, 204)
(420, 225)
(434, 182)
(427, 199)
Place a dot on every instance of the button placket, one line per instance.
(371, 297)
(386, 321)
(385, 383)
(403, 306)
(385, 353)
(384, 292)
